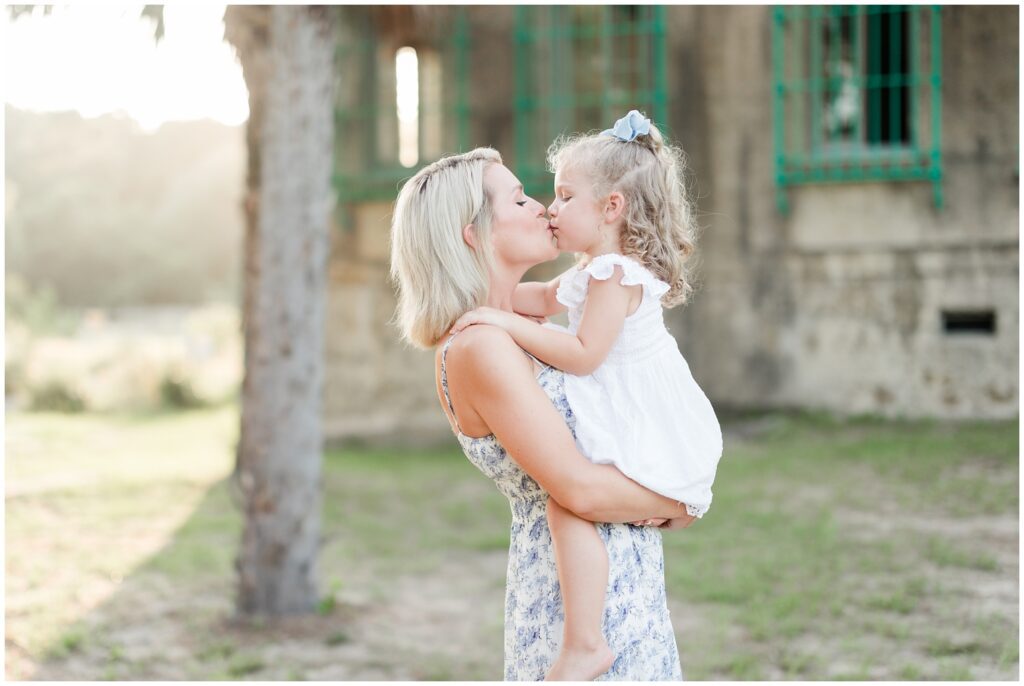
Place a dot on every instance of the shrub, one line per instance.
(177, 393)
(55, 395)
(36, 309)
(136, 360)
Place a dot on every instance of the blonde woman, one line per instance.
(463, 235)
(621, 207)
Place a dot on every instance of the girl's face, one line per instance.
(519, 227)
(576, 216)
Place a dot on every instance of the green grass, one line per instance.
(949, 671)
(742, 667)
(812, 563)
(909, 672)
(942, 553)
(338, 638)
(435, 503)
(780, 557)
(69, 642)
(243, 665)
(1009, 656)
(942, 647)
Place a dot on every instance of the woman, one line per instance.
(463, 235)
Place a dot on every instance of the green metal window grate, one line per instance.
(580, 68)
(857, 95)
(367, 165)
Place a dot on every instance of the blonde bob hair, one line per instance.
(658, 228)
(438, 275)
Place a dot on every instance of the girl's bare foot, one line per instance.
(581, 664)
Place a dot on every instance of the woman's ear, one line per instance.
(614, 206)
(469, 235)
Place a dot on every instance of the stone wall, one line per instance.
(379, 390)
(836, 305)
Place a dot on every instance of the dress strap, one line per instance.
(444, 382)
(444, 377)
(543, 365)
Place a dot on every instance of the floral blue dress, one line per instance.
(636, 621)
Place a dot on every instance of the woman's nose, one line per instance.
(551, 209)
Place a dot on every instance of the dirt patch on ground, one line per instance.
(448, 625)
(943, 609)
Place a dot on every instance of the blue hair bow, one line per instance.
(629, 127)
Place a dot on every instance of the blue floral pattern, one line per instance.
(636, 622)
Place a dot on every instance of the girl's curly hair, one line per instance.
(659, 228)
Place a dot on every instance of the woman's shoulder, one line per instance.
(482, 365)
(481, 351)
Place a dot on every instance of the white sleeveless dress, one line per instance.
(642, 410)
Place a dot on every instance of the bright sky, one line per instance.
(102, 58)
(407, 99)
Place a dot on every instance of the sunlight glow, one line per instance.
(100, 59)
(408, 98)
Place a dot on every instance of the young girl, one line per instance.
(621, 204)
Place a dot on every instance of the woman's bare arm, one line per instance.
(496, 378)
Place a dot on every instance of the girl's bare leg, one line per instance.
(583, 575)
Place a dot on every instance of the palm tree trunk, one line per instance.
(287, 54)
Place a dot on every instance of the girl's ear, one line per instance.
(614, 206)
(469, 235)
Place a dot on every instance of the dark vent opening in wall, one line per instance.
(969, 321)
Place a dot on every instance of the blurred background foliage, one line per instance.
(122, 272)
(106, 215)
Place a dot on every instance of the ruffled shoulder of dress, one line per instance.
(633, 273)
(572, 290)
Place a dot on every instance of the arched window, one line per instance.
(401, 101)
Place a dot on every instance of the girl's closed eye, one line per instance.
(521, 203)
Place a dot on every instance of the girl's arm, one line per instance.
(603, 316)
(537, 299)
(488, 372)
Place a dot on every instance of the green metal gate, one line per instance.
(580, 68)
(367, 163)
(857, 95)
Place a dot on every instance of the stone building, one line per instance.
(855, 171)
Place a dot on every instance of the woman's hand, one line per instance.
(489, 370)
(654, 521)
(484, 315)
(669, 524)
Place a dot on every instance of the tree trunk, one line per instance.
(287, 55)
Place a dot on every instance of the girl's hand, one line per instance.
(655, 521)
(483, 315)
(678, 522)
